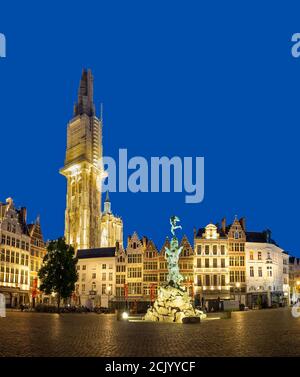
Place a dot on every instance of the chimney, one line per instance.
(23, 215)
(223, 224)
(243, 223)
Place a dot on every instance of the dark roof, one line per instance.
(102, 252)
(263, 237)
(292, 260)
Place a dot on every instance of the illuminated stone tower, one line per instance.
(111, 226)
(84, 171)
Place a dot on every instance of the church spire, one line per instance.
(107, 204)
(85, 101)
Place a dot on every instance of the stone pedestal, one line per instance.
(172, 305)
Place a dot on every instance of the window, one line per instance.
(8, 240)
(135, 288)
(103, 289)
(223, 282)
(269, 271)
(242, 261)
(22, 259)
(251, 255)
(135, 258)
(206, 263)
(236, 235)
(215, 263)
(199, 249)
(199, 281)
(120, 279)
(83, 287)
(2, 256)
(110, 276)
(260, 272)
(83, 277)
(134, 272)
(121, 268)
(103, 276)
(3, 239)
(259, 255)
(93, 286)
(7, 258)
(222, 249)
(110, 266)
(251, 271)
(83, 267)
(243, 277)
(231, 261)
(215, 249)
(237, 275)
(150, 265)
(206, 249)
(78, 268)
(215, 279)
(223, 263)
(93, 275)
(207, 280)
(198, 262)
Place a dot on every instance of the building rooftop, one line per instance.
(102, 252)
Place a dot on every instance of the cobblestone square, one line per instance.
(271, 332)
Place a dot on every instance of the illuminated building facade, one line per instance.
(14, 254)
(37, 252)
(294, 279)
(267, 274)
(83, 171)
(211, 266)
(111, 226)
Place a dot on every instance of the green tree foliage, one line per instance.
(58, 274)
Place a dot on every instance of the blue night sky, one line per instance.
(176, 78)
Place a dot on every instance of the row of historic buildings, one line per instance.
(224, 262)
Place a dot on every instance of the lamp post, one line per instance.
(239, 291)
(108, 292)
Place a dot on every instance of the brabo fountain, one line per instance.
(173, 303)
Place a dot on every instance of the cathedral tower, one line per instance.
(83, 170)
(111, 226)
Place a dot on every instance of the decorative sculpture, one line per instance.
(174, 277)
(173, 303)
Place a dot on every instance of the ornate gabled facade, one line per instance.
(14, 254)
(111, 226)
(186, 265)
(237, 259)
(84, 171)
(135, 252)
(163, 268)
(37, 252)
(211, 266)
(150, 271)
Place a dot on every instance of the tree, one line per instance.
(58, 273)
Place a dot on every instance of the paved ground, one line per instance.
(257, 333)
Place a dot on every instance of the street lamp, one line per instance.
(108, 292)
(238, 288)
